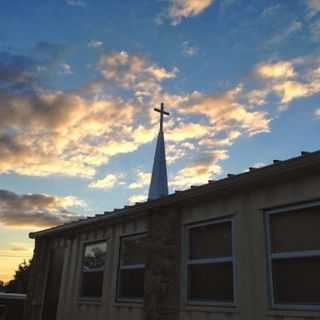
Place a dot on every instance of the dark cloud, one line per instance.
(23, 72)
(35, 209)
(50, 52)
(15, 69)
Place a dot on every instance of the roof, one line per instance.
(298, 166)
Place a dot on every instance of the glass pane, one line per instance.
(295, 231)
(211, 282)
(131, 283)
(296, 281)
(214, 240)
(133, 250)
(94, 256)
(92, 284)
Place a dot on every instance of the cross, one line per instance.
(162, 112)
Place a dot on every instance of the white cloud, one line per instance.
(225, 112)
(76, 132)
(143, 180)
(317, 114)
(185, 8)
(200, 171)
(137, 198)
(108, 182)
(277, 70)
(95, 44)
(289, 80)
(134, 73)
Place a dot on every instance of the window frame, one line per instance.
(287, 255)
(118, 299)
(194, 302)
(83, 248)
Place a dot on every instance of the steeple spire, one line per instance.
(159, 180)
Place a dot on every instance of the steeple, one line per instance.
(159, 180)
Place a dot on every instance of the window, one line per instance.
(294, 256)
(210, 263)
(131, 268)
(93, 263)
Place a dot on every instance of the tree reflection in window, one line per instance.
(93, 263)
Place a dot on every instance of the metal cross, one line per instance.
(162, 112)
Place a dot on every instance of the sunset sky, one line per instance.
(79, 80)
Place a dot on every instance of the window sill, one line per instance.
(95, 301)
(214, 308)
(295, 313)
(129, 304)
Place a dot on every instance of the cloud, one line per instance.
(277, 70)
(76, 3)
(280, 37)
(288, 80)
(143, 179)
(134, 72)
(38, 210)
(45, 132)
(188, 50)
(19, 247)
(290, 90)
(48, 132)
(224, 112)
(65, 68)
(15, 69)
(108, 182)
(200, 171)
(270, 11)
(187, 131)
(53, 132)
(315, 31)
(317, 114)
(313, 7)
(49, 55)
(137, 198)
(185, 8)
(95, 44)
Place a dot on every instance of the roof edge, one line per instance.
(305, 160)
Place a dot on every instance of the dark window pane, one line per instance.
(133, 251)
(94, 256)
(131, 283)
(296, 280)
(211, 282)
(92, 284)
(214, 240)
(296, 230)
(93, 262)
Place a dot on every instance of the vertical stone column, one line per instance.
(162, 275)
(37, 281)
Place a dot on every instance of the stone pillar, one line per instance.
(162, 275)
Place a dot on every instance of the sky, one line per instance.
(79, 80)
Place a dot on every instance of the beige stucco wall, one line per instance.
(252, 301)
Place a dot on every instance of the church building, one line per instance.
(246, 247)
